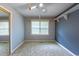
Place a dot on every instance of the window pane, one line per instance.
(44, 24)
(35, 24)
(4, 25)
(4, 32)
(40, 27)
(44, 27)
(35, 30)
(44, 31)
(4, 28)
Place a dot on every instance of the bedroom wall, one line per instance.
(16, 26)
(29, 36)
(67, 32)
(4, 38)
(17, 30)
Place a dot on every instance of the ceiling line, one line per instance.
(66, 10)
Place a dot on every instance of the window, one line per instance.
(4, 28)
(40, 27)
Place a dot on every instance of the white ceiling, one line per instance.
(52, 9)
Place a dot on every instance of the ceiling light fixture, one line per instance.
(33, 7)
(41, 5)
(43, 10)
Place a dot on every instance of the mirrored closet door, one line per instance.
(4, 32)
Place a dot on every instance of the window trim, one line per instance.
(40, 26)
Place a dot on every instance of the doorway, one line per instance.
(4, 32)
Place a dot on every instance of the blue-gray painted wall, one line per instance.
(67, 32)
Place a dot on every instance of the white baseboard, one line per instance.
(66, 49)
(17, 47)
(27, 41)
(4, 41)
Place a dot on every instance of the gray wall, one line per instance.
(4, 38)
(67, 32)
(29, 36)
(17, 28)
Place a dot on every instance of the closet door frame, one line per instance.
(7, 11)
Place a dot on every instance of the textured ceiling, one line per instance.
(52, 9)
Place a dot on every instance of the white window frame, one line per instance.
(40, 26)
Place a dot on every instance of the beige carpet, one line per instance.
(4, 49)
(41, 49)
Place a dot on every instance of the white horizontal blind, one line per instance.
(44, 27)
(40, 27)
(4, 28)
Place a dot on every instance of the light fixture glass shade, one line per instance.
(33, 7)
(41, 5)
(43, 10)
